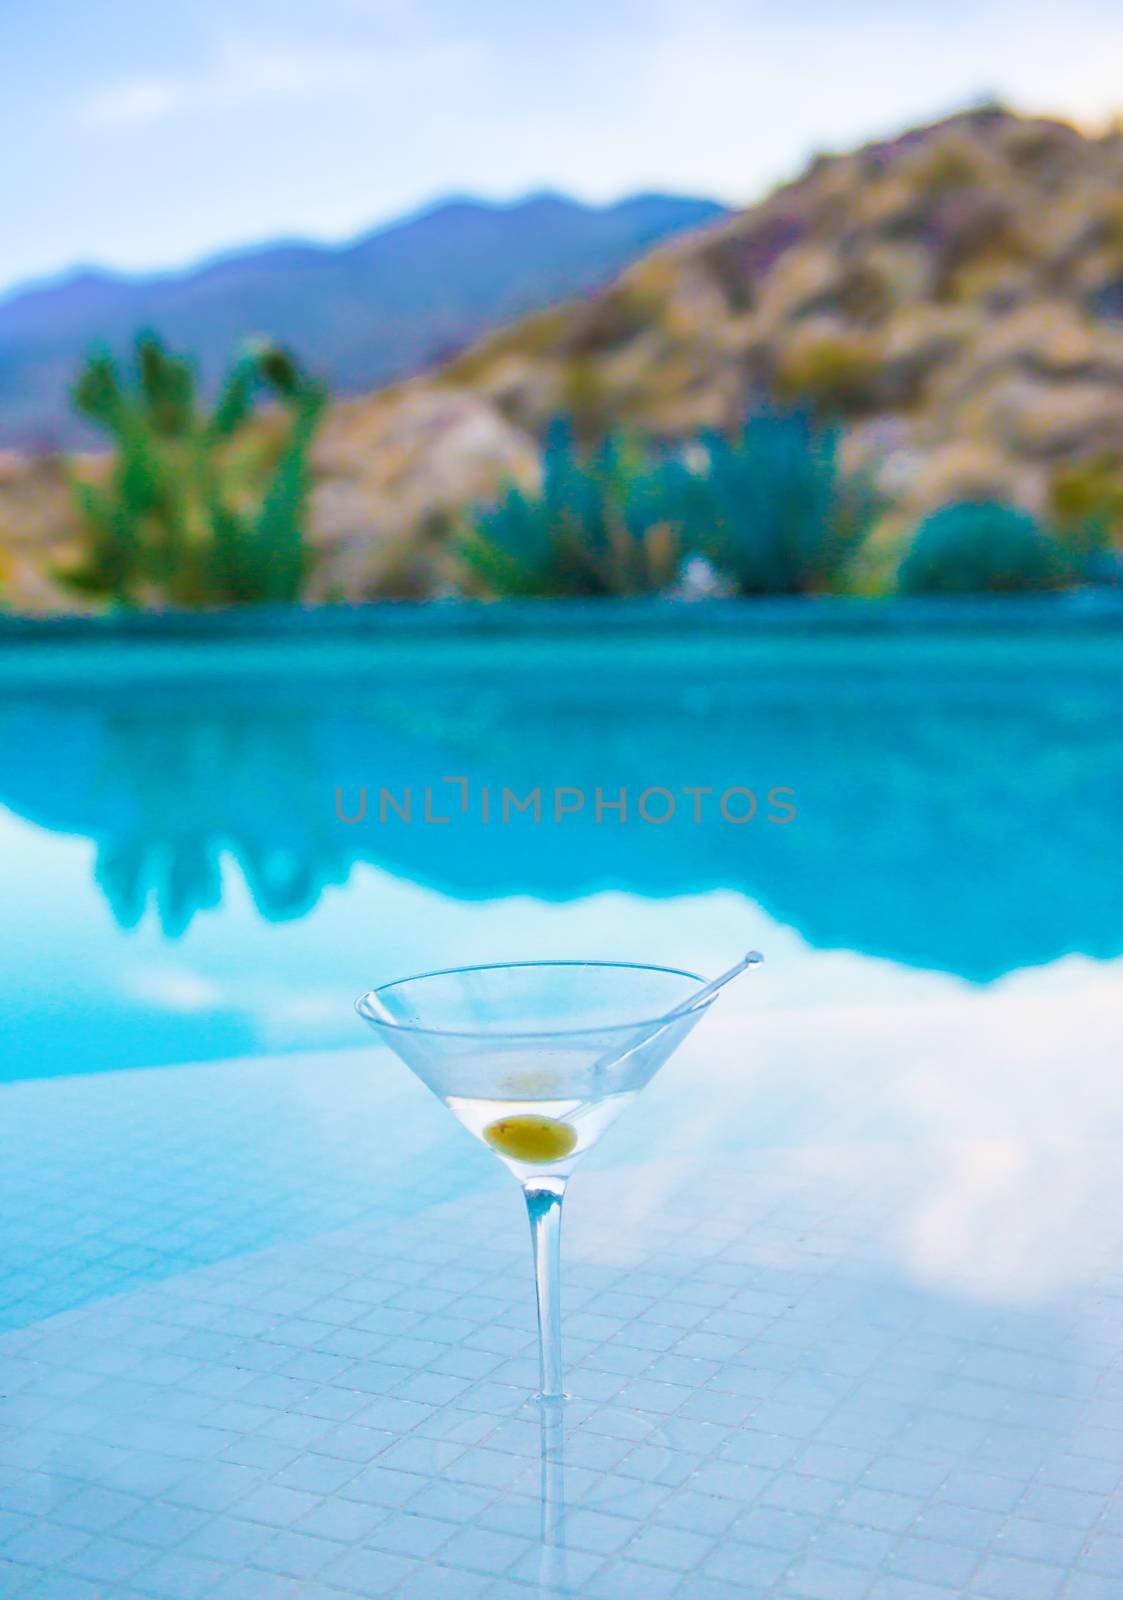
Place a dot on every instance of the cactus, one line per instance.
(192, 515)
(772, 508)
(979, 547)
(599, 526)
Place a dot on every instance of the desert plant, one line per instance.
(835, 371)
(773, 509)
(199, 508)
(980, 547)
(599, 526)
(949, 163)
(1086, 500)
(585, 400)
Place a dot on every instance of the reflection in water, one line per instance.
(552, 1566)
(982, 1125)
(952, 819)
(180, 791)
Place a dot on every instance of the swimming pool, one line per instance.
(211, 848)
(843, 1310)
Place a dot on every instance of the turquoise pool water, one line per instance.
(945, 810)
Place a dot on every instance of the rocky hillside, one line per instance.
(954, 296)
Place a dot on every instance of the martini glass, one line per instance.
(537, 1059)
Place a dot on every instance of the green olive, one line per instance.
(531, 1138)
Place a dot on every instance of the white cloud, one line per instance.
(175, 989)
(134, 104)
(280, 1012)
(245, 73)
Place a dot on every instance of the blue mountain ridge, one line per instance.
(377, 308)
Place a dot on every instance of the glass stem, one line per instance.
(544, 1206)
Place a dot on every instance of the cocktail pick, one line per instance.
(751, 958)
(693, 1002)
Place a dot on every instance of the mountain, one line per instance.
(952, 297)
(383, 306)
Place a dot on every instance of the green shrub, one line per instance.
(773, 509)
(1086, 502)
(982, 547)
(950, 163)
(833, 371)
(199, 509)
(599, 526)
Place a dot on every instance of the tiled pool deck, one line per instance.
(764, 1404)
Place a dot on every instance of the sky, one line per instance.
(143, 136)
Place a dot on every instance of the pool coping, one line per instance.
(1076, 611)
